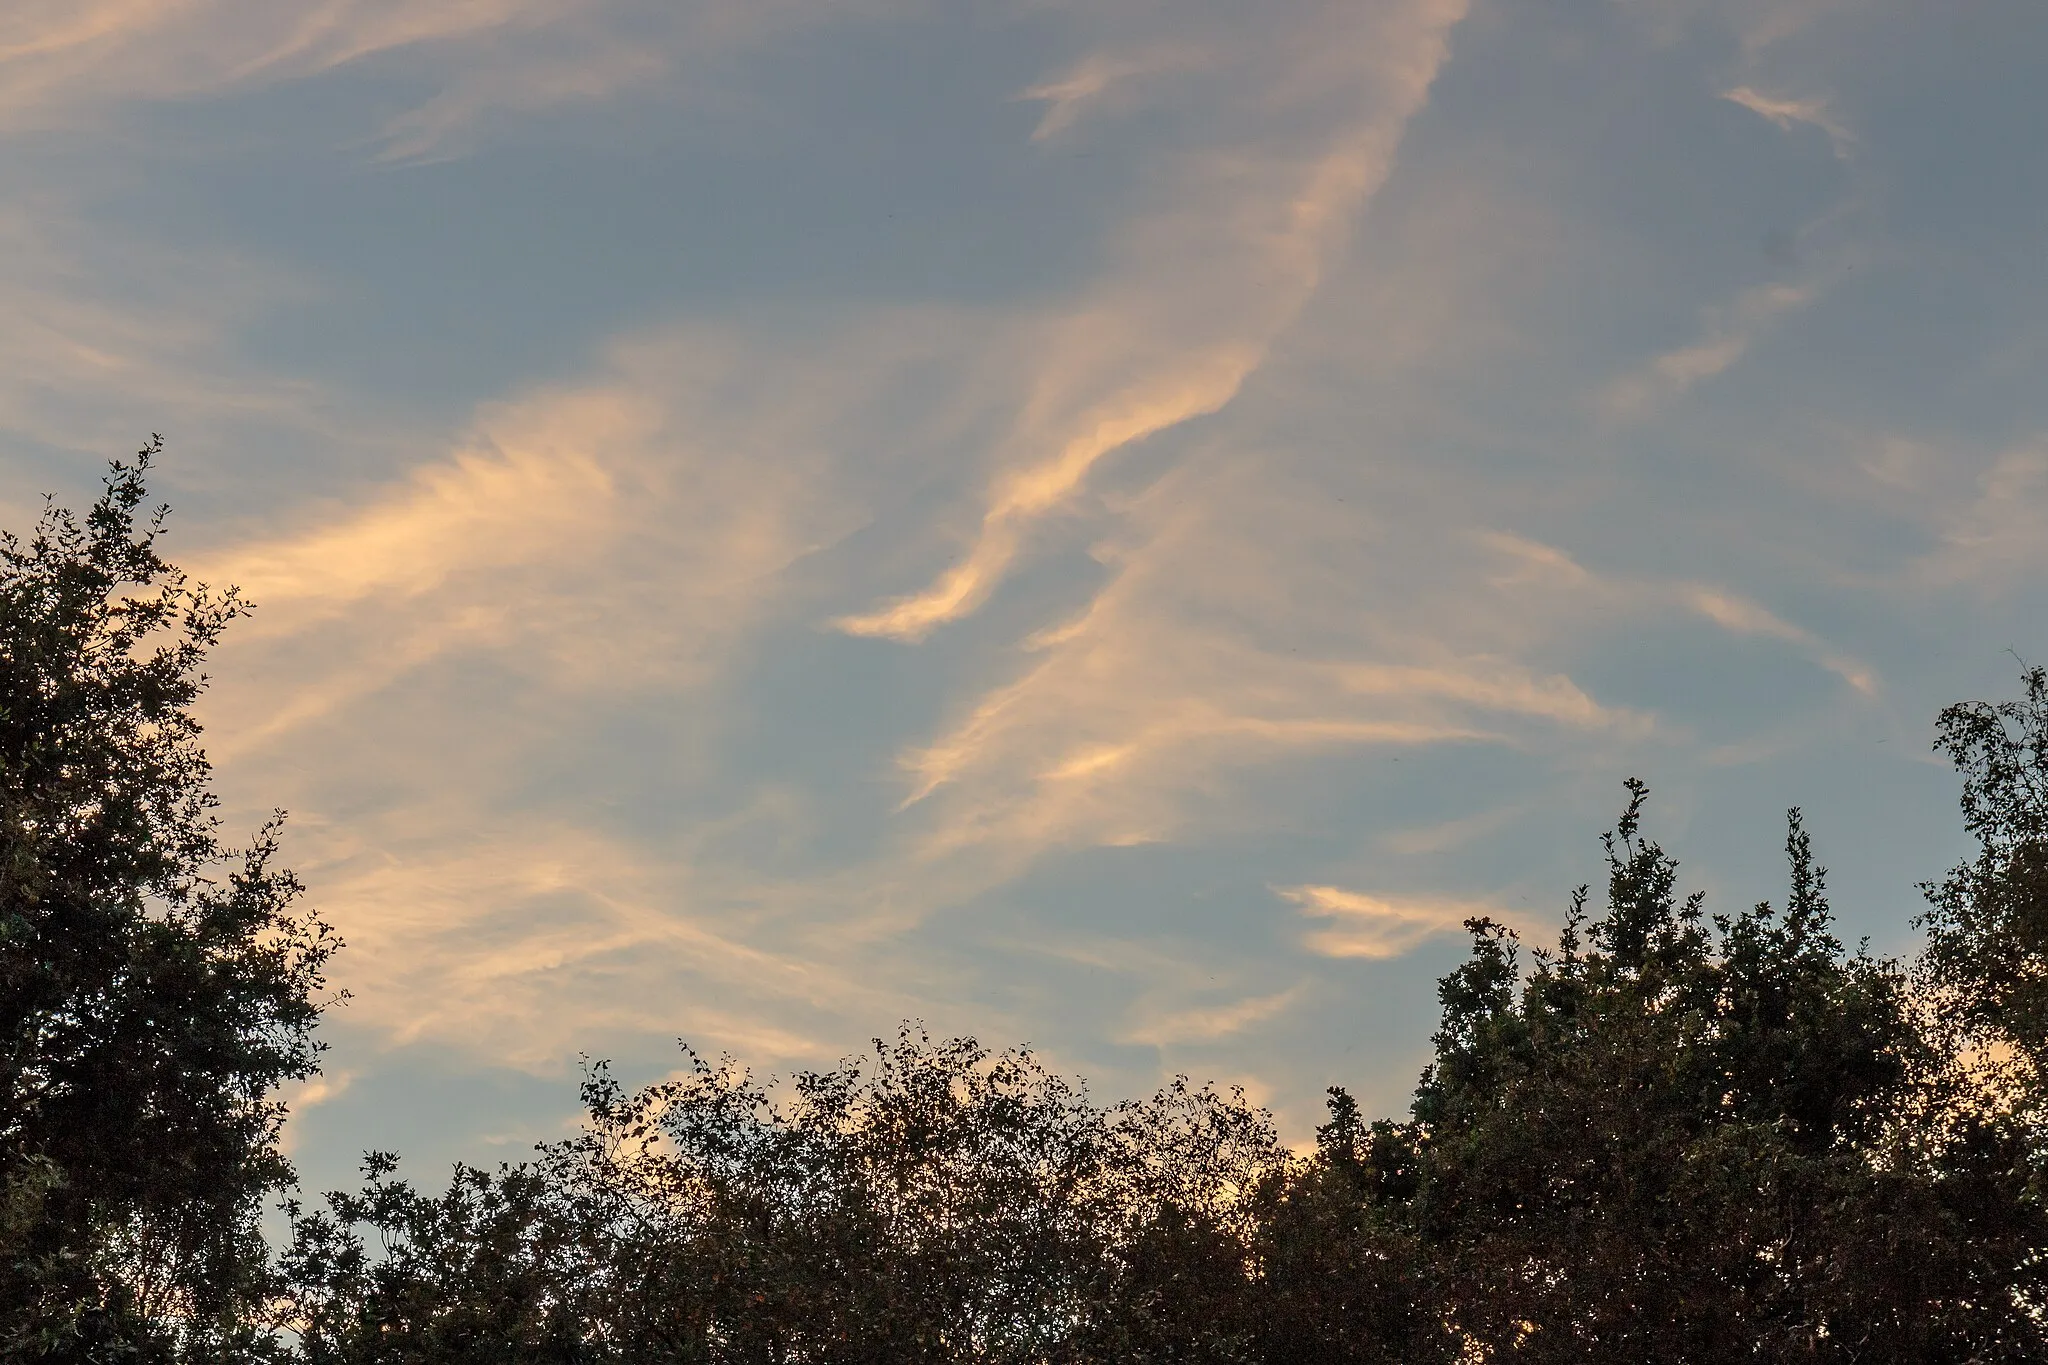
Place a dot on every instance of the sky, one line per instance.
(1112, 525)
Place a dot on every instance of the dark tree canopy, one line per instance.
(934, 1204)
(1684, 1137)
(155, 985)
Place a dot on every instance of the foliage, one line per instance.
(1691, 1138)
(938, 1203)
(155, 986)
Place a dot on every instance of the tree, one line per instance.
(156, 986)
(1987, 922)
(1344, 1276)
(936, 1204)
(1691, 1139)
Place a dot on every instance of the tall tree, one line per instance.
(1694, 1138)
(156, 985)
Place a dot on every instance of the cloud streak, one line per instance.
(1360, 925)
(1993, 541)
(1730, 331)
(1792, 113)
(1205, 280)
(476, 61)
(1190, 664)
(1744, 617)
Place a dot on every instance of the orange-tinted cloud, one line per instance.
(1357, 924)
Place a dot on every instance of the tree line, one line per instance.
(1675, 1135)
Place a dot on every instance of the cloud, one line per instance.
(1485, 685)
(606, 537)
(444, 563)
(1444, 835)
(1994, 541)
(1533, 564)
(1764, 24)
(1211, 1022)
(1377, 927)
(1215, 515)
(1743, 617)
(1201, 283)
(1790, 113)
(111, 335)
(332, 1083)
(62, 62)
(1103, 78)
(1238, 625)
(490, 506)
(517, 940)
(1730, 330)
(1030, 493)
(1757, 26)
(433, 662)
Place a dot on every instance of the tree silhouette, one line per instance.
(936, 1203)
(1684, 1137)
(155, 986)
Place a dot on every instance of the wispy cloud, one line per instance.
(1448, 834)
(521, 548)
(1221, 641)
(1286, 514)
(1994, 540)
(1029, 494)
(1107, 79)
(483, 939)
(1203, 281)
(1745, 617)
(1207, 1023)
(1358, 924)
(1484, 685)
(61, 61)
(1729, 332)
(487, 508)
(331, 1084)
(111, 334)
(1793, 113)
(422, 654)
(474, 60)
